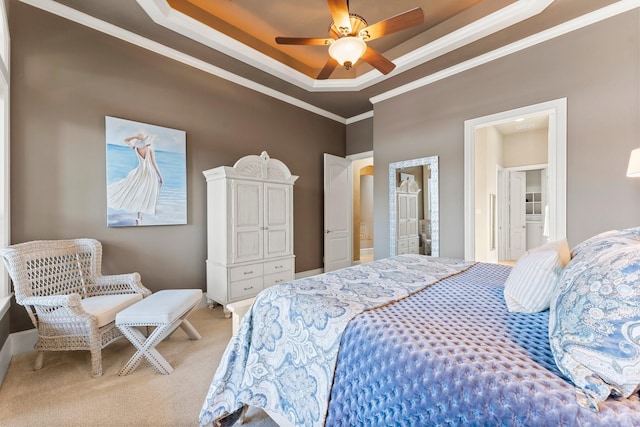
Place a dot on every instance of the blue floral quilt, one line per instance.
(284, 356)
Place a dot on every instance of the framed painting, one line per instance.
(146, 174)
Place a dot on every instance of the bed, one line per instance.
(417, 340)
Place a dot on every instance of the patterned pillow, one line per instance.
(607, 240)
(594, 323)
(533, 279)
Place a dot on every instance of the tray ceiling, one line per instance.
(237, 39)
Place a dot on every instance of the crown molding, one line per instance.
(71, 14)
(78, 17)
(606, 12)
(162, 14)
(363, 116)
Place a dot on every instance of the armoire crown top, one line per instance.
(262, 166)
(254, 166)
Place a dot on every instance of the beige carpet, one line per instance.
(63, 393)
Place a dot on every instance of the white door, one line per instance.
(517, 218)
(248, 228)
(503, 215)
(277, 202)
(338, 213)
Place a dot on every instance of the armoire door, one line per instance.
(412, 215)
(277, 220)
(247, 229)
(402, 215)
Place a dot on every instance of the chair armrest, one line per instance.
(56, 309)
(119, 283)
(71, 300)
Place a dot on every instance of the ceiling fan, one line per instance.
(348, 34)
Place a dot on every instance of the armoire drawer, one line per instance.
(272, 267)
(245, 288)
(245, 272)
(277, 278)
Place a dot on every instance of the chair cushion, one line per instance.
(105, 307)
(162, 307)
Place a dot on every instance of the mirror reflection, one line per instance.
(413, 207)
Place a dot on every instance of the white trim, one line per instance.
(359, 117)
(16, 343)
(557, 31)
(593, 17)
(360, 156)
(557, 170)
(23, 341)
(5, 303)
(162, 14)
(5, 155)
(122, 34)
(5, 358)
(527, 167)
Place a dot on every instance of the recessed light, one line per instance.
(526, 126)
(520, 119)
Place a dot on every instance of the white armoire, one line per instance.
(249, 228)
(408, 238)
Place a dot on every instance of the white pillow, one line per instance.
(561, 246)
(532, 280)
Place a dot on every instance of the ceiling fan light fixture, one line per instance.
(347, 50)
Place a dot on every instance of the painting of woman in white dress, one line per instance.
(146, 174)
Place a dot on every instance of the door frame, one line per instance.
(557, 170)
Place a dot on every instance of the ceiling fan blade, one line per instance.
(340, 13)
(378, 61)
(303, 41)
(333, 33)
(327, 69)
(394, 24)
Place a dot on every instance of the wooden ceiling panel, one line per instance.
(256, 23)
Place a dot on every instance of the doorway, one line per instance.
(489, 160)
(363, 239)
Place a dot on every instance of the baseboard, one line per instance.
(16, 343)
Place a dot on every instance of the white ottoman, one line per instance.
(166, 310)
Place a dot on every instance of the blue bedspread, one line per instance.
(453, 355)
(285, 353)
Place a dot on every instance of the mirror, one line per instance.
(413, 207)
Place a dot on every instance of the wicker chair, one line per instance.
(71, 304)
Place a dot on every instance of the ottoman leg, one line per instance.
(190, 330)
(146, 348)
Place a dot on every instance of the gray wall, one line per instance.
(595, 68)
(360, 136)
(66, 78)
